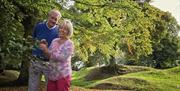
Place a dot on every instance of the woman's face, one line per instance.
(63, 32)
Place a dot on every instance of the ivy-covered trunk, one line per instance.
(24, 73)
(26, 56)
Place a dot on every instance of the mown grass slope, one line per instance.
(136, 79)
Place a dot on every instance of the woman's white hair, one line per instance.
(69, 26)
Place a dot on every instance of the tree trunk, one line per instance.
(158, 66)
(112, 61)
(24, 73)
(2, 64)
(113, 67)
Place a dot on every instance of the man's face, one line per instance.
(53, 19)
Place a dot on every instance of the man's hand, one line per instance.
(44, 47)
(43, 41)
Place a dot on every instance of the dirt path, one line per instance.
(24, 88)
(9, 75)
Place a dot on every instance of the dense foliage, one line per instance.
(126, 30)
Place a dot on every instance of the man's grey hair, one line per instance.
(55, 11)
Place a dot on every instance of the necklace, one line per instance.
(61, 41)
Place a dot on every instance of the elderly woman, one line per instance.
(60, 53)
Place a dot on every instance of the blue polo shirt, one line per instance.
(41, 31)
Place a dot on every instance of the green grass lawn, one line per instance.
(144, 79)
(137, 78)
(164, 80)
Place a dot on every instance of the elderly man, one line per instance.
(43, 32)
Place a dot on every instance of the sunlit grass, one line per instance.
(152, 80)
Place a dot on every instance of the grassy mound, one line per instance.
(125, 83)
(120, 83)
(8, 75)
(98, 73)
(136, 79)
(105, 72)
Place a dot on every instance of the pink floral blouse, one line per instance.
(60, 59)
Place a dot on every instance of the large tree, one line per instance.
(112, 28)
(104, 26)
(107, 30)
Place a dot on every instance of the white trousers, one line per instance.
(36, 70)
